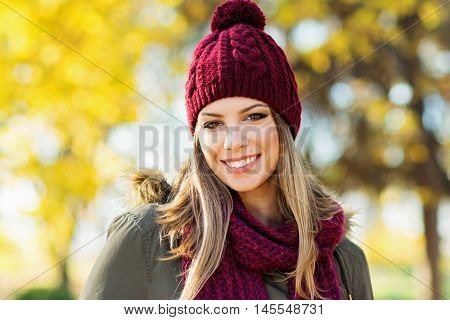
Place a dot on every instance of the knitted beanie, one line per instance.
(239, 59)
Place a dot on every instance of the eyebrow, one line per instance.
(240, 112)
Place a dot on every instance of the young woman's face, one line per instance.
(239, 140)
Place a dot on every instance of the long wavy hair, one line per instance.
(198, 194)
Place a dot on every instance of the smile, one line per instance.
(246, 162)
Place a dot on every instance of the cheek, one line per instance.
(272, 147)
(210, 148)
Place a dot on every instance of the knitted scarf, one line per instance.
(253, 248)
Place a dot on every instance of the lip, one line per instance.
(241, 158)
(243, 169)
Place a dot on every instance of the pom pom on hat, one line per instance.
(237, 11)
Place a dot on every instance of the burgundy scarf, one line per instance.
(253, 248)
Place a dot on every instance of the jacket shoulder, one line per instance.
(163, 277)
(145, 217)
(122, 269)
(355, 269)
(350, 248)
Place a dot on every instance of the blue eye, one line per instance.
(257, 116)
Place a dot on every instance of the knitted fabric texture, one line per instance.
(253, 248)
(239, 59)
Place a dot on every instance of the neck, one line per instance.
(262, 204)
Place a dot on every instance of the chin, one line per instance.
(243, 184)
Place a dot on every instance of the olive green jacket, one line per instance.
(127, 267)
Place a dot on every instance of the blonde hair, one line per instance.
(198, 194)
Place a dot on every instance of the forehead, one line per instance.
(229, 104)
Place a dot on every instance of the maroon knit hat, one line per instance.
(239, 59)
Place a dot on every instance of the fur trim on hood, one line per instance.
(148, 186)
(151, 186)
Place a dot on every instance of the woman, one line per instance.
(244, 219)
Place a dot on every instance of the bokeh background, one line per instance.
(77, 78)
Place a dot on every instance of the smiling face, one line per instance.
(239, 140)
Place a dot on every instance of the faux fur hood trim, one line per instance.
(148, 186)
(151, 186)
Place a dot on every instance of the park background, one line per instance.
(78, 78)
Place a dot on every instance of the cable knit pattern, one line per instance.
(239, 59)
(253, 248)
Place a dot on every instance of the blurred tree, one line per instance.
(387, 100)
(68, 70)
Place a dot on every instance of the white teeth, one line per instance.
(241, 163)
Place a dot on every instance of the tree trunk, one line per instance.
(432, 247)
(64, 276)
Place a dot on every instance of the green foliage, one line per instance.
(58, 293)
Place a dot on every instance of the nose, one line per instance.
(234, 139)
